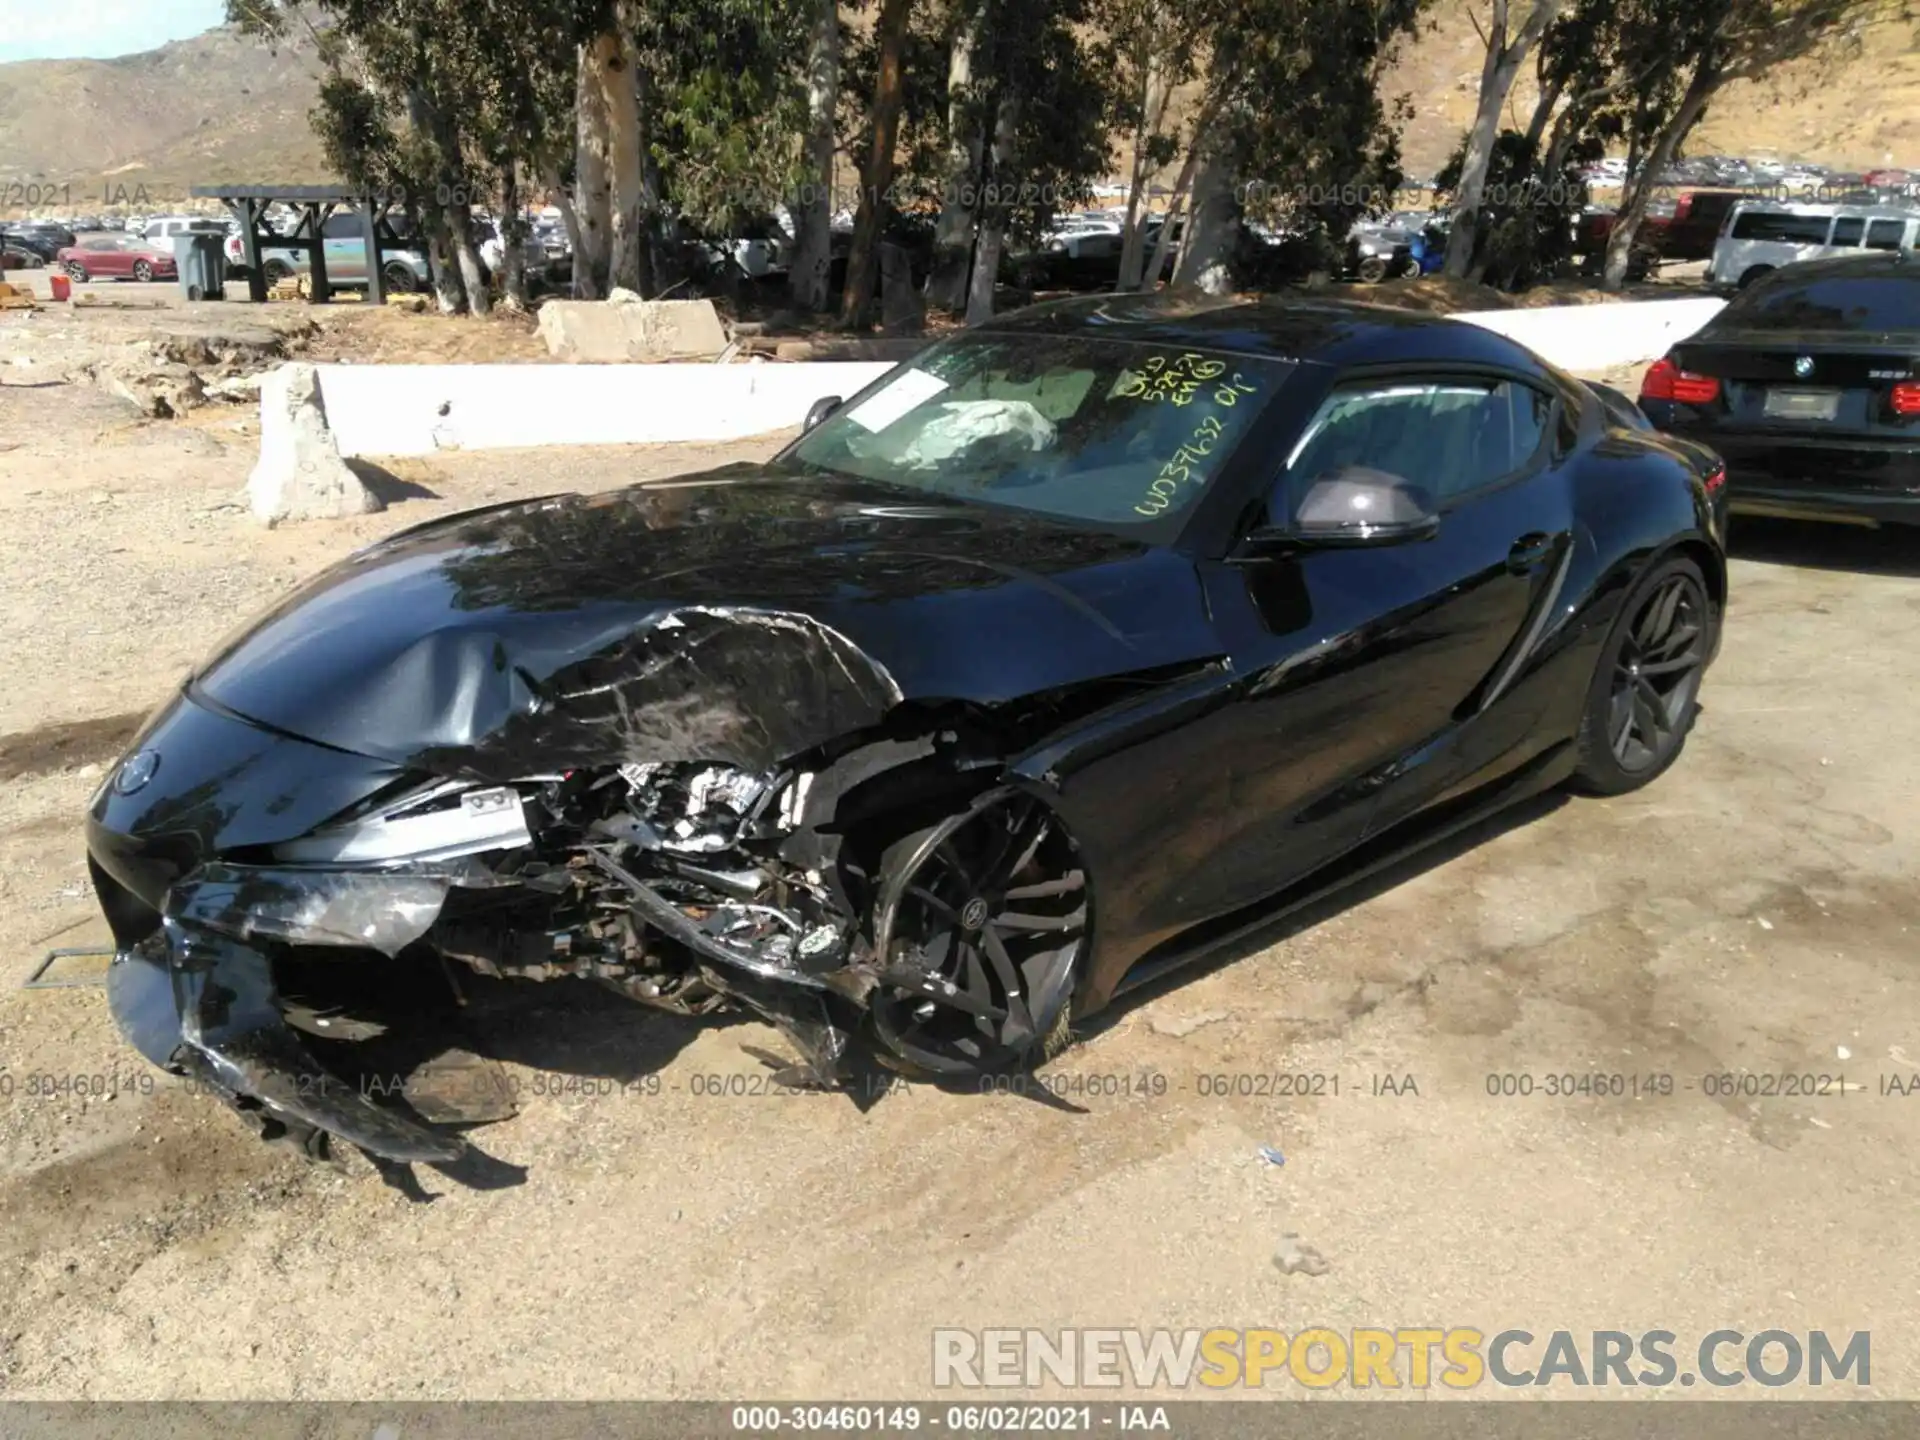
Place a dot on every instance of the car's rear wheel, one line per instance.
(1373, 269)
(398, 279)
(142, 271)
(1646, 690)
(1753, 273)
(982, 926)
(276, 271)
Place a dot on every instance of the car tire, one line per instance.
(1645, 692)
(77, 272)
(275, 271)
(398, 279)
(1372, 270)
(142, 272)
(920, 873)
(1753, 273)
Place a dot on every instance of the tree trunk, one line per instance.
(1181, 187)
(876, 177)
(1542, 112)
(449, 292)
(1502, 63)
(593, 179)
(1153, 110)
(569, 217)
(1213, 234)
(627, 242)
(947, 286)
(466, 255)
(993, 218)
(1642, 182)
(807, 277)
(513, 241)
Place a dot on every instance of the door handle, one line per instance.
(1529, 551)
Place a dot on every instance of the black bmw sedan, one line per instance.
(1085, 641)
(1808, 383)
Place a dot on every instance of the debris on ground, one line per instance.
(1178, 1027)
(1271, 1154)
(1296, 1258)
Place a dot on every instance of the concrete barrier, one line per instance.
(1599, 337)
(418, 409)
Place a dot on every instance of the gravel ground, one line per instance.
(649, 1237)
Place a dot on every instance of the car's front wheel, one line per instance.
(275, 271)
(142, 271)
(76, 272)
(1646, 689)
(982, 926)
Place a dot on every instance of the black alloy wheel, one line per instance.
(981, 926)
(1646, 694)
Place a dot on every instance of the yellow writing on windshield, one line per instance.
(1174, 378)
(1181, 468)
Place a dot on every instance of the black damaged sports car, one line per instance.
(1091, 638)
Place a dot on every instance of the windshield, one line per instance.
(1117, 433)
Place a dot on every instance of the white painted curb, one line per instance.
(1599, 337)
(419, 409)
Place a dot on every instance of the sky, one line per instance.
(36, 30)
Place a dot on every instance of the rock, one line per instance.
(236, 387)
(300, 475)
(162, 389)
(1178, 1027)
(1296, 1258)
(793, 350)
(901, 310)
(627, 328)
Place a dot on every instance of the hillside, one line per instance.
(1858, 107)
(218, 107)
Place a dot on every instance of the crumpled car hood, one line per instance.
(743, 615)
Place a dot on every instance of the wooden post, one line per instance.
(250, 213)
(370, 234)
(320, 292)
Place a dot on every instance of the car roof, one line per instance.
(1324, 330)
(1878, 264)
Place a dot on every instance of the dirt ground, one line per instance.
(1755, 912)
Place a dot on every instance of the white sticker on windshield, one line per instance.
(910, 390)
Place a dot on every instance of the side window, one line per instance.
(341, 227)
(1450, 437)
(1885, 234)
(1847, 230)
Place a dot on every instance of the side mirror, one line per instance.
(1351, 507)
(822, 409)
